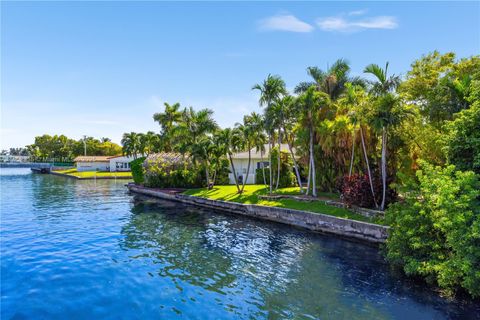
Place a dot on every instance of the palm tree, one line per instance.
(311, 102)
(271, 90)
(130, 144)
(247, 131)
(332, 81)
(354, 96)
(204, 150)
(167, 120)
(259, 138)
(231, 141)
(383, 88)
(288, 110)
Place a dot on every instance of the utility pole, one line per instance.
(84, 145)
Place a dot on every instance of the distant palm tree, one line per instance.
(168, 120)
(232, 142)
(259, 138)
(271, 91)
(332, 81)
(130, 144)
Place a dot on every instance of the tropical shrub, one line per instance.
(137, 170)
(436, 229)
(355, 190)
(170, 170)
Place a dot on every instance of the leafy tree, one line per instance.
(435, 232)
(462, 139)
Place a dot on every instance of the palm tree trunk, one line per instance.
(368, 166)
(314, 187)
(206, 172)
(384, 166)
(233, 172)
(279, 158)
(270, 165)
(309, 174)
(295, 165)
(248, 168)
(353, 154)
(263, 169)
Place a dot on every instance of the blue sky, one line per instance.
(103, 68)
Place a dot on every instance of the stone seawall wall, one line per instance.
(308, 220)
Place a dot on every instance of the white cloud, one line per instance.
(341, 24)
(286, 22)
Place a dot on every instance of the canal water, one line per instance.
(89, 250)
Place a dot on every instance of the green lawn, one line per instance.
(251, 193)
(91, 174)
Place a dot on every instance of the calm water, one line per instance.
(89, 250)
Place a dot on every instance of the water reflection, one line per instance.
(279, 272)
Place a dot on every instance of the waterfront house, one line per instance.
(103, 163)
(120, 163)
(92, 163)
(258, 160)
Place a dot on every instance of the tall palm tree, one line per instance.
(383, 88)
(259, 138)
(271, 90)
(288, 117)
(246, 129)
(354, 96)
(311, 101)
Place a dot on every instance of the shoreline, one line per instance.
(318, 222)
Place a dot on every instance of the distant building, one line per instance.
(13, 159)
(240, 161)
(103, 163)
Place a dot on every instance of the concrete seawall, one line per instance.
(312, 221)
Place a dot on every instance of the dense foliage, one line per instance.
(62, 147)
(137, 170)
(462, 139)
(436, 229)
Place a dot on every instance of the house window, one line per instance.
(263, 164)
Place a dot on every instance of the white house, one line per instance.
(120, 163)
(240, 161)
(92, 163)
(103, 163)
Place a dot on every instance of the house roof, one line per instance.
(258, 155)
(92, 159)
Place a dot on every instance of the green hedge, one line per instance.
(137, 170)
